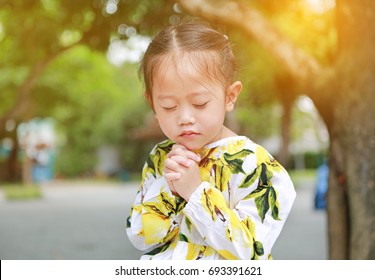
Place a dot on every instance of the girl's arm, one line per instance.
(261, 201)
(154, 217)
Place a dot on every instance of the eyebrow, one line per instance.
(189, 95)
(163, 97)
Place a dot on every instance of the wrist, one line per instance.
(189, 191)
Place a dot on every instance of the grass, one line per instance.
(299, 176)
(22, 192)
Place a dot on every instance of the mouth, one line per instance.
(188, 134)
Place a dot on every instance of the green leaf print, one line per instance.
(222, 176)
(188, 224)
(182, 237)
(151, 165)
(159, 162)
(262, 204)
(241, 154)
(235, 161)
(265, 197)
(263, 175)
(251, 178)
(258, 247)
(128, 222)
(154, 209)
(158, 250)
(180, 204)
(274, 204)
(155, 161)
(166, 146)
(258, 192)
(167, 204)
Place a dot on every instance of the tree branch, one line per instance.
(22, 101)
(303, 68)
(300, 65)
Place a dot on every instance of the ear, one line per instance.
(232, 94)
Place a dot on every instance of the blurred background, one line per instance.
(75, 129)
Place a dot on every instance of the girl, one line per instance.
(206, 193)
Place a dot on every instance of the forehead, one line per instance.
(186, 76)
(199, 66)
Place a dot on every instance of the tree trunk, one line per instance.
(351, 212)
(337, 204)
(13, 164)
(286, 94)
(284, 155)
(352, 134)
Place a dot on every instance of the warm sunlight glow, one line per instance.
(131, 50)
(320, 6)
(1, 32)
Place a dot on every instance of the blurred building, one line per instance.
(37, 140)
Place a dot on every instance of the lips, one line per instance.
(188, 133)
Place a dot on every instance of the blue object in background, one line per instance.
(42, 173)
(321, 186)
(37, 139)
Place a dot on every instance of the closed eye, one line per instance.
(170, 108)
(200, 106)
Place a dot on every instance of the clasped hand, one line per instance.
(181, 171)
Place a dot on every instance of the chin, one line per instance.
(195, 146)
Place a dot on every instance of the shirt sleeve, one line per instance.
(155, 214)
(247, 229)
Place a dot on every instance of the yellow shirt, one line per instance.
(236, 213)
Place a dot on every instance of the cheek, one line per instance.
(212, 120)
(216, 113)
(165, 123)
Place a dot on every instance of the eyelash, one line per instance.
(200, 106)
(169, 109)
(197, 106)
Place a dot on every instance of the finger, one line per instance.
(193, 156)
(177, 150)
(171, 165)
(178, 146)
(171, 176)
(184, 152)
(182, 161)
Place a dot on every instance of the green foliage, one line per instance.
(258, 109)
(310, 160)
(19, 192)
(93, 103)
(40, 30)
(313, 32)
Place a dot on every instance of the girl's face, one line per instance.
(189, 106)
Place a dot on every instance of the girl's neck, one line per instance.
(226, 132)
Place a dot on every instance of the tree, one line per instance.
(343, 92)
(342, 87)
(40, 31)
(92, 104)
(33, 33)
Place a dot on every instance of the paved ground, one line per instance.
(87, 221)
(304, 236)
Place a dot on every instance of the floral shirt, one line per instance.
(236, 213)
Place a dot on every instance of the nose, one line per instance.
(186, 116)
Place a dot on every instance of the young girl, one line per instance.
(206, 192)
